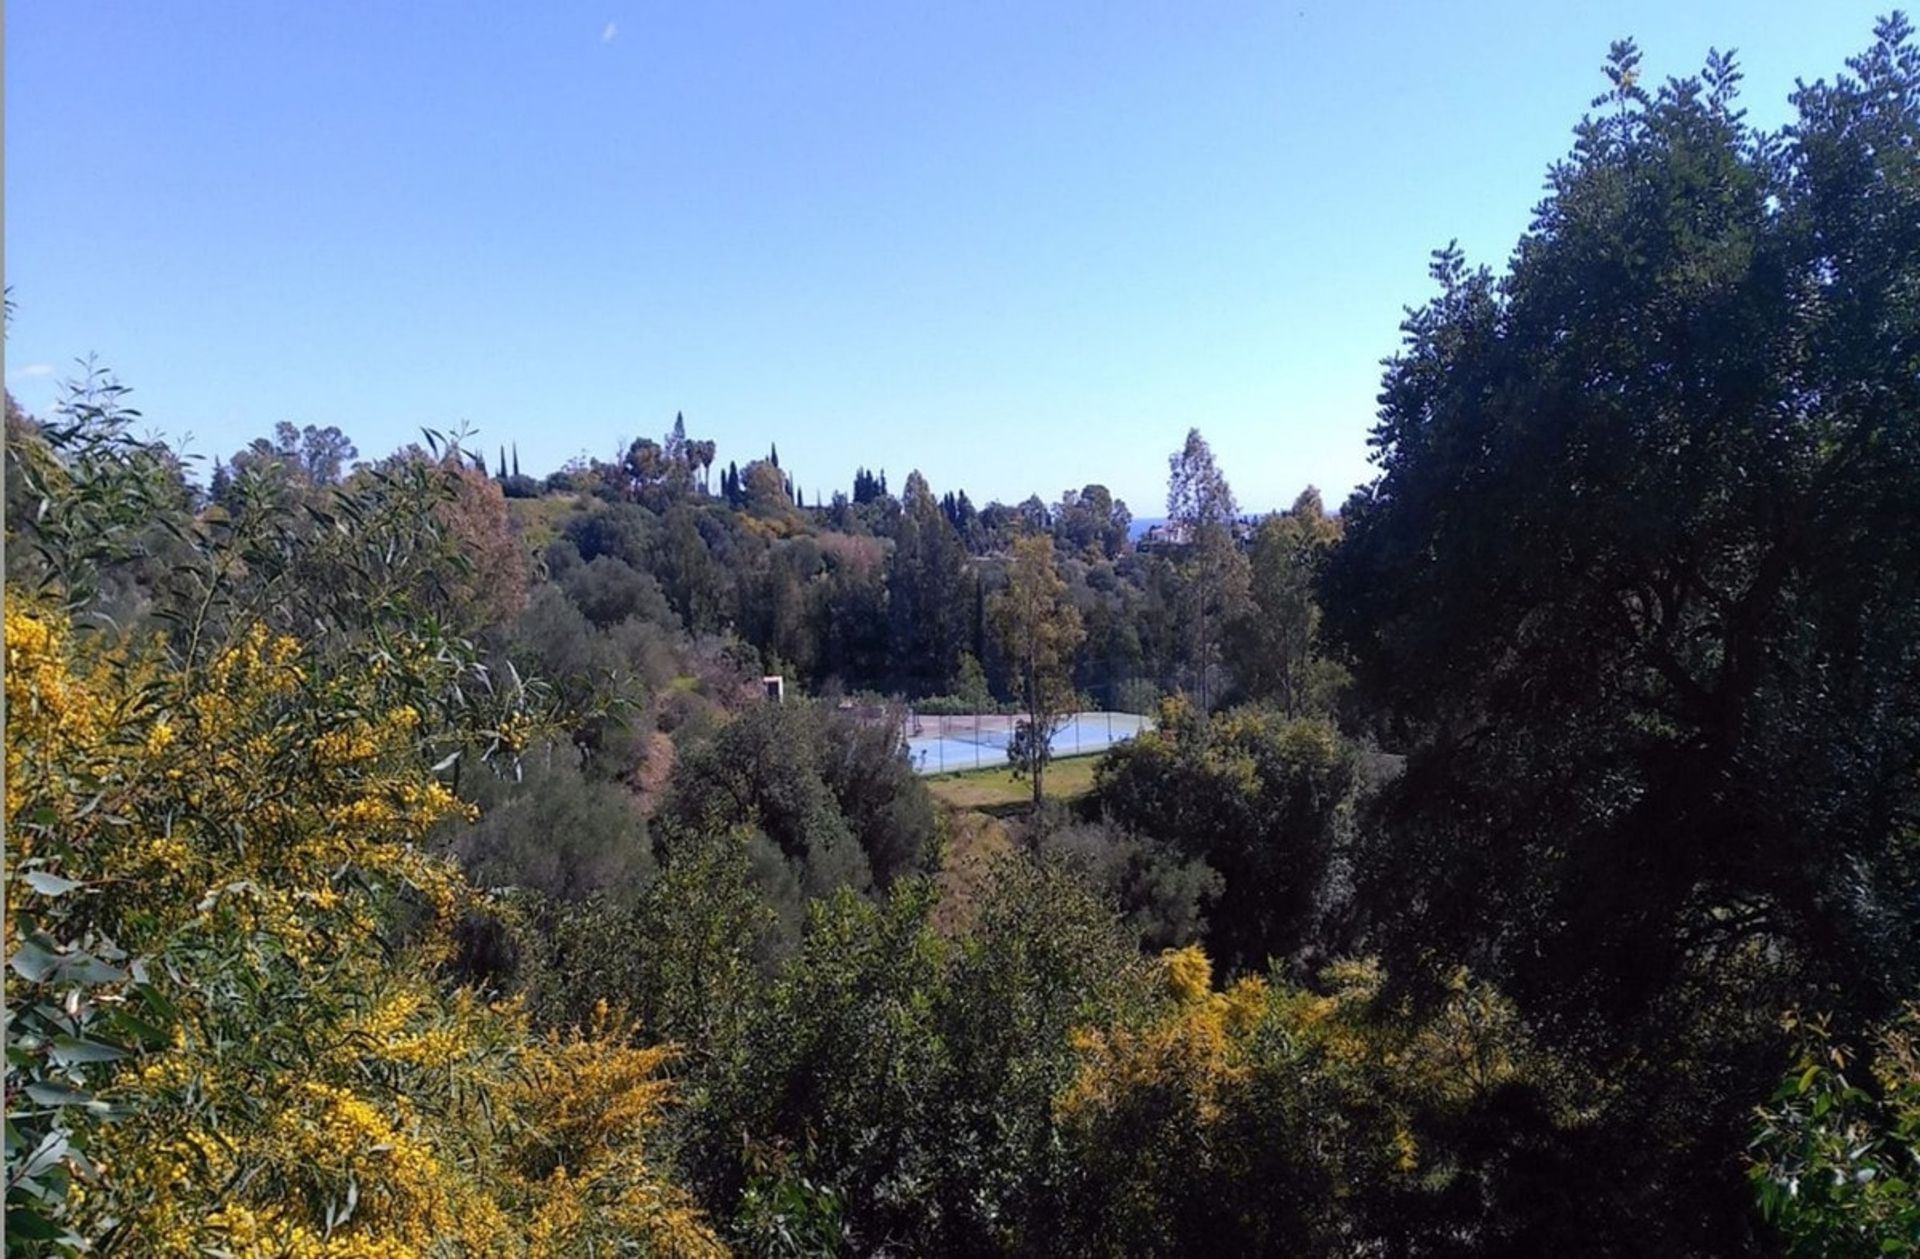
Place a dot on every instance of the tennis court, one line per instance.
(939, 745)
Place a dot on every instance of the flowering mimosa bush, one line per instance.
(228, 1028)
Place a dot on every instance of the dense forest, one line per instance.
(404, 856)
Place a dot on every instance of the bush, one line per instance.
(833, 794)
(958, 706)
(228, 1030)
(555, 831)
(231, 1036)
(1162, 895)
(608, 591)
(1836, 1159)
(1265, 802)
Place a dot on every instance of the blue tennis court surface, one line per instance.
(939, 745)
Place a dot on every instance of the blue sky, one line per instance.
(1019, 246)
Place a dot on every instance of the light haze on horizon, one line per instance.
(1019, 247)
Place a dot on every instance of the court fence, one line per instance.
(944, 744)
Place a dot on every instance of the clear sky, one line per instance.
(1020, 246)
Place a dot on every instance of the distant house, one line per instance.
(1173, 534)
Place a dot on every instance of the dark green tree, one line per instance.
(927, 594)
(1638, 587)
(1275, 640)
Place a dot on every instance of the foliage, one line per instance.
(834, 795)
(551, 829)
(1275, 639)
(1037, 630)
(224, 931)
(85, 498)
(1262, 1118)
(1162, 894)
(689, 957)
(1837, 1152)
(608, 591)
(1265, 802)
(908, 1080)
(1638, 592)
(226, 1029)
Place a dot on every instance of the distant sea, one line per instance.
(1138, 529)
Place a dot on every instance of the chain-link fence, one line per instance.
(947, 742)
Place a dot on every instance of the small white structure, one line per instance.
(776, 687)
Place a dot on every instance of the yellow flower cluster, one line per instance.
(591, 1101)
(53, 721)
(1180, 1073)
(317, 1093)
(1195, 1050)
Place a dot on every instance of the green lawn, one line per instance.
(999, 789)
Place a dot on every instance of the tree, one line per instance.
(1275, 637)
(495, 588)
(926, 592)
(298, 459)
(835, 797)
(1638, 590)
(764, 490)
(645, 467)
(555, 830)
(1091, 521)
(1265, 801)
(1034, 516)
(692, 580)
(1038, 630)
(219, 484)
(700, 454)
(1201, 511)
(680, 457)
(321, 454)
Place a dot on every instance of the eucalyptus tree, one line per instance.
(1202, 512)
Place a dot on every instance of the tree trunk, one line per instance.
(1036, 750)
